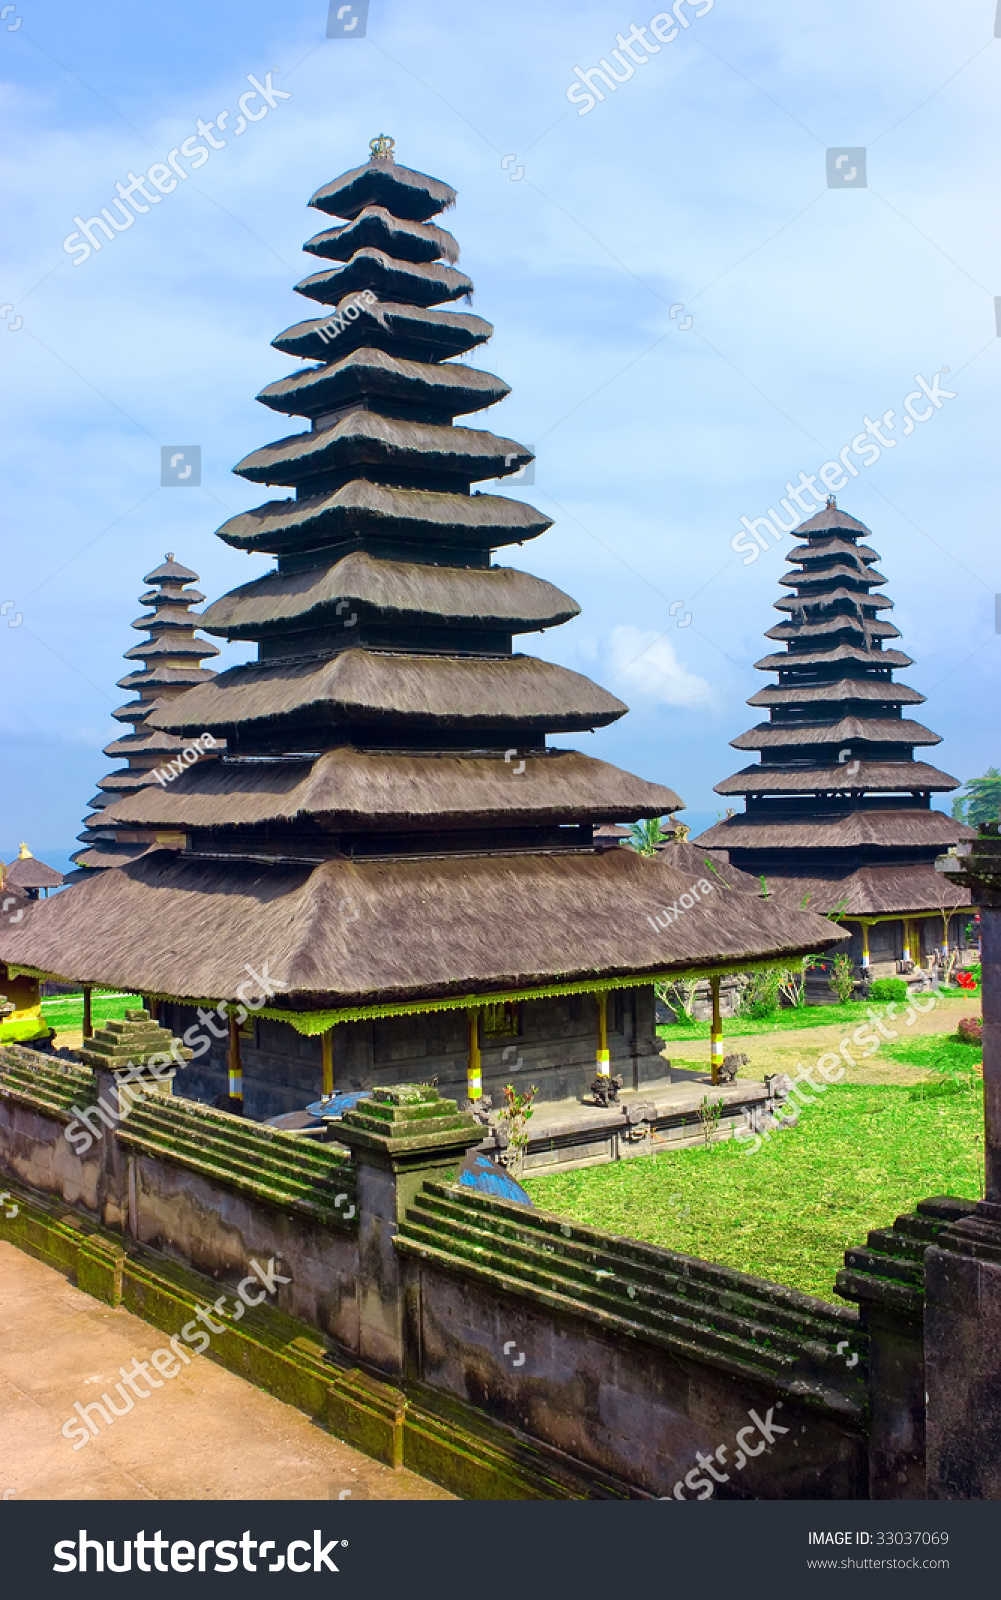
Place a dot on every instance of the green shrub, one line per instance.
(888, 989)
(760, 996)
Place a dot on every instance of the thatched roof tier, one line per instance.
(168, 680)
(170, 573)
(847, 830)
(170, 596)
(151, 742)
(128, 779)
(376, 227)
(842, 690)
(382, 182)
(832, 522)
(821, 599)
(408, 331)
(876, 660)
(99, 857)
(821, 552)
(873, 730)
(870, 775)
(366, 375)
(813, 577)
(424, 928)
(399, 590)
(833, 628)
(876, 891)
(396, 691)
(171, 650)
(347, 788)
(365, 510)
(170, 615)
(366, 438)
(409, 282)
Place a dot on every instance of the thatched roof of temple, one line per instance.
(26, 872)
(837, 803)
(388, 822)
(346, 932)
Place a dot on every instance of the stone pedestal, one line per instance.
(886, 1278)
(963, 1358)
(399, 1138)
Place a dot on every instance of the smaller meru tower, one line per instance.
(169, 661)
(838, 808)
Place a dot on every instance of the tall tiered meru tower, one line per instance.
(389, 854)
(838, 809)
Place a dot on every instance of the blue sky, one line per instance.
(700, 182)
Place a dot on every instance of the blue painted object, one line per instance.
(336, 1106)
(480, 1173)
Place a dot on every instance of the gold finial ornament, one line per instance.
(24, 854)
(382, 148)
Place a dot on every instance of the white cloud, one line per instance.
(644, 661)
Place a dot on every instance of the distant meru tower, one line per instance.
(837, 808)
(390, 859)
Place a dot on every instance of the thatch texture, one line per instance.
(410, 282)
(843, 689)
(377, 511)
(377, 227)
(27, 872)
(364, 437)
(347, 788)
(874, 891)
(434, 335)
(365, 687)
(875, 775)
(404, 591)
(889, 829)
(873, 730)
(833, 657)
(356, 932)
(373, 375)
(401, 190)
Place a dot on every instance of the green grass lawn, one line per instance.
(850, 1015)
(856, 1159)
(64, 1012)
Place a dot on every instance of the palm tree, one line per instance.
(981, 801)
(646, 836)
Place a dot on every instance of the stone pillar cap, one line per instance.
(409, 1120)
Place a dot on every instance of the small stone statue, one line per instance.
(605, 1089)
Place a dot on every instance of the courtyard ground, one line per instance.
(205, 1435)
(892, 1132)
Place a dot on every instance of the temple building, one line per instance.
(837, 809)
(392, 875)
(29, 876)
(171, 659)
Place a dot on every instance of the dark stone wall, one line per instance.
(624, 1406)
(554, 1048)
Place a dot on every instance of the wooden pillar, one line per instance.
(474, 1070)
(602, 1057)
(865, 946)
(235, 1063)
(906, 951)
(715, 1031)
(327, 1040)
(88, 1026)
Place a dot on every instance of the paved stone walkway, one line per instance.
(205, 1435)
